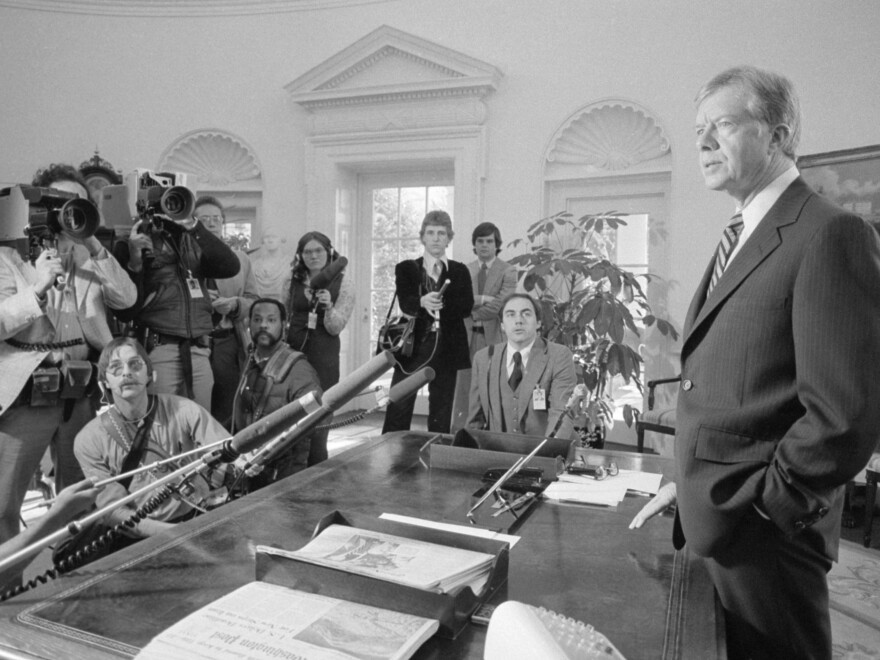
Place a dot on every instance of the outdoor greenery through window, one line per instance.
(397, 217)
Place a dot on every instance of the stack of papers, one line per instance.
(584, 489)
(427, 566)
(261, 621)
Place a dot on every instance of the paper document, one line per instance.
(450, 527)
(419, 564)
(261, 621)
(584, 489)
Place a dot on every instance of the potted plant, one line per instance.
(592, 306)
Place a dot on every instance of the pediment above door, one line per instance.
(390, 80)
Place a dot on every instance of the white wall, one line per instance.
(132, 85)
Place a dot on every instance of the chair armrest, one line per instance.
(654, 383)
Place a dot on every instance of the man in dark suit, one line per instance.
(778, 402)
(493, 280)
(523, 385)
(440, 336)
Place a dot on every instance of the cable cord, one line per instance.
(80, 557)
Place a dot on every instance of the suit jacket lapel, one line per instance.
(497, 371)
(765, 239)
(492, 276)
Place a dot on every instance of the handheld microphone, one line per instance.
(578, 394)
(334, 398)
(327, 274)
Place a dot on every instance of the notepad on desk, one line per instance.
(585, 489)
(265, 621)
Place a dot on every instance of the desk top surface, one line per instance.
(580, 561)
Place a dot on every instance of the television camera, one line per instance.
(147, 196)
(40, 215)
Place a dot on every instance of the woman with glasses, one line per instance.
(317, 316)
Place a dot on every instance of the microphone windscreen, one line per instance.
(271, 425)
(328, 273)
(350, 386)
(410, 385)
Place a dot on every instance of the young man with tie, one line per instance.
(493, 280)
(440, 335)
(524, 385)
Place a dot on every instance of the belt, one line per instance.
(158, 339)
(222, 333)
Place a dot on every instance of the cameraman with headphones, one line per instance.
(170, 261)
(53, 319)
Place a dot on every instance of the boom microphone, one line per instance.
(328, 274)
(334, 398)
(408, 386)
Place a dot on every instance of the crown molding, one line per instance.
(179, 8)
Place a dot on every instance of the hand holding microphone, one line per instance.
(319, 283)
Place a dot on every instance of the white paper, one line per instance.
(261, 621)
(450, 527)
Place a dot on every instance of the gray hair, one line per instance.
(772, 99)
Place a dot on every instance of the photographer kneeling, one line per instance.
(53, 319)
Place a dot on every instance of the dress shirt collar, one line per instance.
(429, 263)
(756, 209)
(524, 353)
(489, 263)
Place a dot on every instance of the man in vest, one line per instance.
(274, 375)
(523, 385)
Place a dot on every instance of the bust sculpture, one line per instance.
(271, 267)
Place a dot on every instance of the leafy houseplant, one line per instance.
(590, 305)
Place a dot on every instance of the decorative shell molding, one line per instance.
(611, 135)
(216, 158)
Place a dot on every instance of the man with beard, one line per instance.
(274, 375)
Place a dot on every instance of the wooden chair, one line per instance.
(660, 421)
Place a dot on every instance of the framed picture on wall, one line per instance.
(850, 177)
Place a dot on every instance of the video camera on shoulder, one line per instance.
(147, 196)
(34, 217)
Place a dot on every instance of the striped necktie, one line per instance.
(728, 242)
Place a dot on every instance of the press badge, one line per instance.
(195, 291)
(539, 399)
(313, 320)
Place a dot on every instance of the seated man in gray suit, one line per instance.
(523, 385)
(493, 281)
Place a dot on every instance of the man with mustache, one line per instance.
(141, 429)
(274, 375)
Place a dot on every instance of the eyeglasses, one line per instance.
(317, 252)
(134, 365)
(205, 219)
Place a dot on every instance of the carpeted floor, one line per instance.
(854, 587)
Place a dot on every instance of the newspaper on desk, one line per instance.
(585, 489)
(261, 621)
(428, 566)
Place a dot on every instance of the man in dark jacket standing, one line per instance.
(170, 262)
(440, 336)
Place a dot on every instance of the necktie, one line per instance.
(435, 273)
(481, 279)
(516, 374)
(728, 242)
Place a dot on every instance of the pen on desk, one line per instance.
(513, 506)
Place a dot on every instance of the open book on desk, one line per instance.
(419, 564)
(263, 621)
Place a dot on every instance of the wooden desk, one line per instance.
(579, 561)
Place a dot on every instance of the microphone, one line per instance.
(407, 387)
(578, 394)
(328, 273)
(253, 436)
(334, 398)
